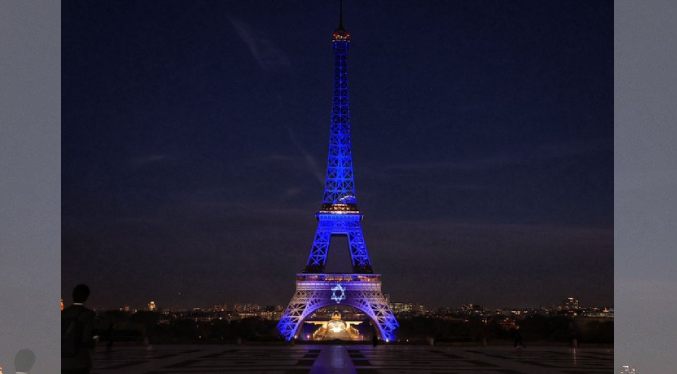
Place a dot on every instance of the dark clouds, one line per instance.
(194, 136)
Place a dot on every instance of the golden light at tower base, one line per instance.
(336, 329)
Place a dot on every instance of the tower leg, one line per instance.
(312, 295)
(318, 252)
(358, 248)
(301, 305)
(374, 304)
(332, 224)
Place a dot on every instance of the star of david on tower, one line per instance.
(338, 293)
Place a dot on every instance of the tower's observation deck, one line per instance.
(340, 35)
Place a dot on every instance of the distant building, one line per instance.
(270, 315)
(399, 308)
(422, 309)
(571, 307)
(409, 309)
(220, 308)
(151, 306)
(271, 312)
(247, 308)
(599, 312)
(571, 303)
(472, 309)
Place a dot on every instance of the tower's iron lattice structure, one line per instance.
(339, 215)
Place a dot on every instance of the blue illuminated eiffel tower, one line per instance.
(339, 215)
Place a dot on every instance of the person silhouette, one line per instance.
(77, 323)
(24, 361)
(517, 338)
(374, 335)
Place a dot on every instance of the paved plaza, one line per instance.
(204, 359)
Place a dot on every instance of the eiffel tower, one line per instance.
(339, 215)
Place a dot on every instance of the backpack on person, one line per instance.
(72, 330)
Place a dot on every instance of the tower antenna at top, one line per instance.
(340, 15)
(340, 34)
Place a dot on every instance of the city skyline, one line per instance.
(234, 306)
(483, 149)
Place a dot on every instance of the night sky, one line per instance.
(195, 136)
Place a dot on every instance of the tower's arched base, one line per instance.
(360, 291)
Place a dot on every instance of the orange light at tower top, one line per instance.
(340, 35)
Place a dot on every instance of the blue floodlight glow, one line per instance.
(339, 184)
(339, 215)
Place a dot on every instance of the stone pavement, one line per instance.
(210, 359)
